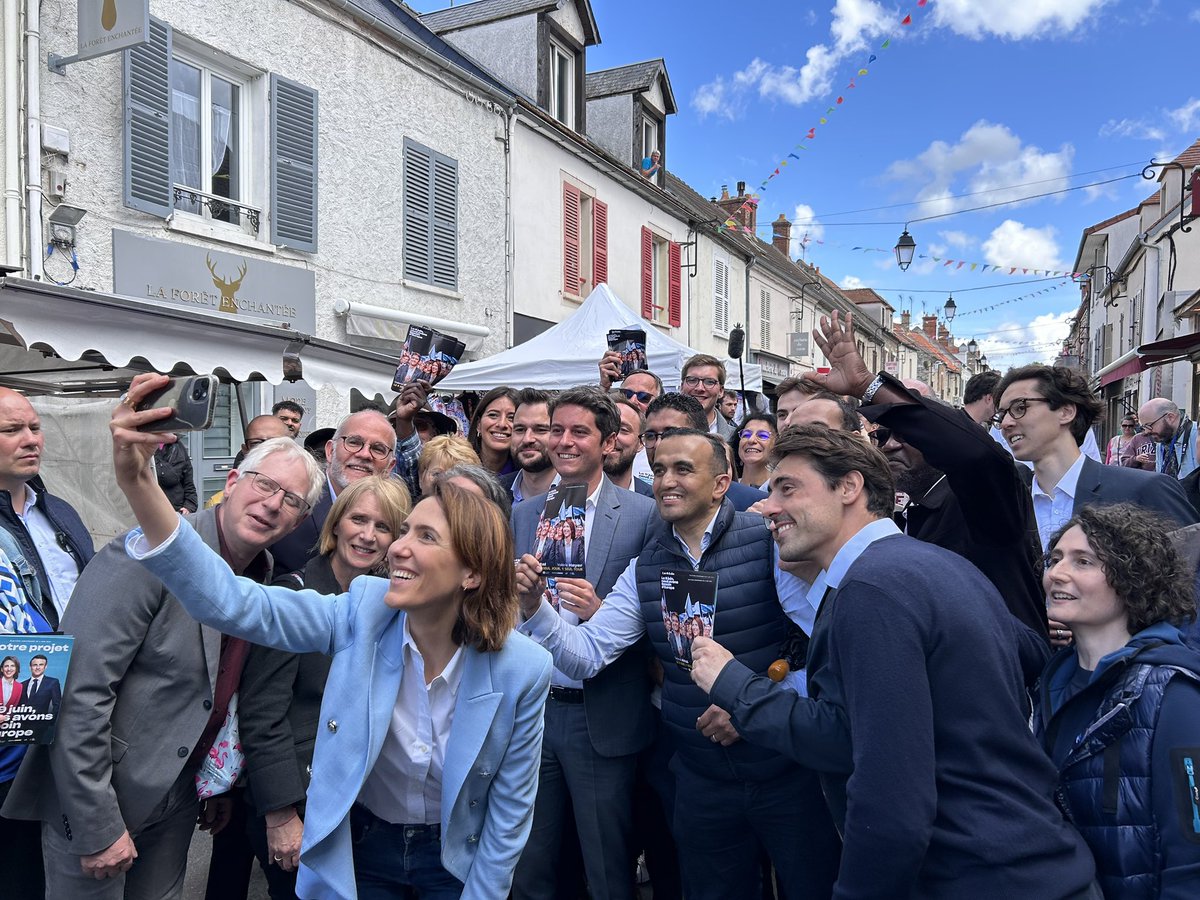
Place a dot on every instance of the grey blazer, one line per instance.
(1116, 484)
(617, 701)
(143, 674)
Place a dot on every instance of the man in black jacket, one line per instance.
(50, 532)
(963, 491)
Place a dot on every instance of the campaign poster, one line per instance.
(558, 541)
(689, 606)
(428, 355)
(33, 671)
(631, 344)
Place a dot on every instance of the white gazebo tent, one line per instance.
(566, 354)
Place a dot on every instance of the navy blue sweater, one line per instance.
(950, 796)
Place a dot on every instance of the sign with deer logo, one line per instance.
(106, 26)
(240, 286)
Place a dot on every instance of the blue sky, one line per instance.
(974, 96)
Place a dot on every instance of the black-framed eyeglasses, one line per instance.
(1150, 425)
(1129, 425)
(694, 380)
(650, 438)
(269, 487)
(1018, 408)
(748, 433)
(354, 443)
(639, 396)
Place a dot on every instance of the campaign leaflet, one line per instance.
(631, 344)
(689, 605)
(558, 541)
(33, 670)
(428, 355)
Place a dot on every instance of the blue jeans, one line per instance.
(399, 862)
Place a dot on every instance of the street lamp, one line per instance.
(905, 248)
(972, 346)
(983, 362)
(951, 309)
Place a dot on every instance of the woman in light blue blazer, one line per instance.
(446, 612)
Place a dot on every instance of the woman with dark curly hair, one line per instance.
(1119, 711)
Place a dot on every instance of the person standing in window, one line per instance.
(650, 165)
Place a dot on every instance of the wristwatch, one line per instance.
(872, 389)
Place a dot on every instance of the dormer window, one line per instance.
(560, 74)
(562, 84)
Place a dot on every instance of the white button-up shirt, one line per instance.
(405, 786)
(1053, 510)
(61, 569)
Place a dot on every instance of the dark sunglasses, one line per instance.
(640, 396)
(881, 435)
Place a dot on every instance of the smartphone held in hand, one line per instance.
(193, 397)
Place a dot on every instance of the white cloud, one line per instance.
(990, 157)
(852, 282)
(1017, 343)
(803, 216)
(1194, 15)
(1015, 19)
(958, 239)
(1139, 129)
(1186, 117)
(855, 22)
(1015, 244)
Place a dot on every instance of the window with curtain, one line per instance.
(206, 152)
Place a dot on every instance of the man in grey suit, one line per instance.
(596, 727)
(148, 691)
(1044, 412)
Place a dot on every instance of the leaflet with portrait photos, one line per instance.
(428, 355)
(689, 607)
(558, 541)
(33, 674)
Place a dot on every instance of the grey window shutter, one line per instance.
(430, 217)
(418, 218)
(293, 164)
(148, 123)
(445, 223)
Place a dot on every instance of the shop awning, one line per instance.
(65, 340)
(1127, 364)
(1169, 350)
(388, 328)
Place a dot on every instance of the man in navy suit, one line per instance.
(1044, 412)
(595, 727)
(950, 794)
(364, 444)
(41, 691)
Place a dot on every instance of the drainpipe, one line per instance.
(1149, 300)
(12, 134)
(33, 135)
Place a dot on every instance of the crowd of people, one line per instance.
(952, 652)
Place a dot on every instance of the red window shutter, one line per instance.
(600, 242)
(647, 274)
(570, 239)
(674, 287)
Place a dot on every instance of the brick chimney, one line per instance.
(782, 237)
(905, 319)
(746, 216)
(929, 324)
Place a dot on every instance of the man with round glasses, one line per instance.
(364, 444)
(1044, 413)
(117, 798)
(703, 377)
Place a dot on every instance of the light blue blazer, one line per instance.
(491, 767)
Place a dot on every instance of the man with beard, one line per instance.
(964, 493)
(530, 447)
(618, 465)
